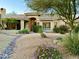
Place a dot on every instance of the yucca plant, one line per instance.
(71, 43)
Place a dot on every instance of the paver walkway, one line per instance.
(27, 45)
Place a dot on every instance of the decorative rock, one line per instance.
(9, 49)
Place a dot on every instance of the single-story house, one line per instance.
(28, 19)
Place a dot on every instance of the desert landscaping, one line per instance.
(39, 29)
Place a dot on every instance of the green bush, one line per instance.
(47, 53)
(76, 28)
(40, 29)
(62, 29)
(56, 29)
(24, 31)
(71, 43)
(37, 29)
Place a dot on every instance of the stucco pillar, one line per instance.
(40, 23)
(22, 24)
(52, 25)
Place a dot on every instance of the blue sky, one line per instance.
(17, 6)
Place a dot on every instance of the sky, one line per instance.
(17, 6)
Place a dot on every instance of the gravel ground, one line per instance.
(27, 45)
(24, 46)
(9, 49)
(4, 41)
(7, 43)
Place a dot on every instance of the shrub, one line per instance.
(62, 29)
(47, 53)
(24, 31)
(37, 29)
(71, 43)
(1, 26)
(40, 29)
(56, 29)
(76, 28)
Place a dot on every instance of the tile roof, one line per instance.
(33, 14)
(17, 16)
(25, 16)
(50, 18)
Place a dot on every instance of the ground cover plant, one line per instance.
(48, 53)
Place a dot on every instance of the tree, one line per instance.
(8, 21)
(1, 24)
(64, 8)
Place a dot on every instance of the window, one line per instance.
(46, 25)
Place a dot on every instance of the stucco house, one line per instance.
(27, 20)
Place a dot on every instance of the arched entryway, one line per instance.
(32, 21)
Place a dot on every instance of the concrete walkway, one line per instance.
(27, 45)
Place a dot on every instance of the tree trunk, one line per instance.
(71, 26)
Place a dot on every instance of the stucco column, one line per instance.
(40, 23)
(22, 24)
(52, 25)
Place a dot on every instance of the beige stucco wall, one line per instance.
(59, 22)
(51, 24)
(22, 24)
(2, 12)
(38, 20)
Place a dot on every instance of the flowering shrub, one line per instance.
(48, 53)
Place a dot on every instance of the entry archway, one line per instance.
(32, 21)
